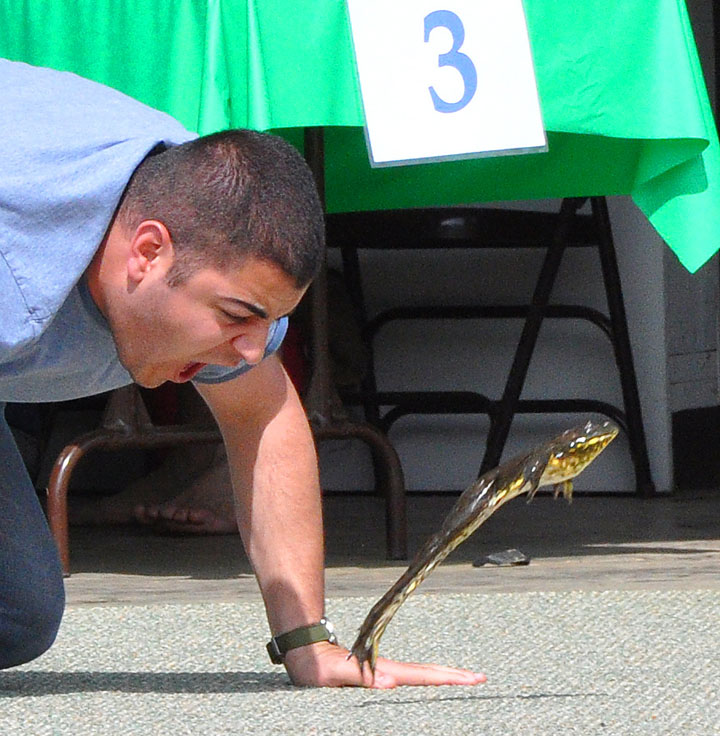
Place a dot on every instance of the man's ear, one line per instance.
(150, 249)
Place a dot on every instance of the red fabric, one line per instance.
(162, 403)
(292, 353)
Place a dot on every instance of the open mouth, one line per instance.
(189, 372)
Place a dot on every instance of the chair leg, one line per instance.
(623, 352)
(353, 278)
(57, 491)
(390, 476)
(503, 415)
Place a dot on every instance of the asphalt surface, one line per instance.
(614, 662)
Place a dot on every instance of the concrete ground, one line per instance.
(610, 629)
(595, 543)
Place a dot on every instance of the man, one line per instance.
(132, 251)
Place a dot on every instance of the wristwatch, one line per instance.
(280, 645)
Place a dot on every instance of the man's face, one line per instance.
(165, 333)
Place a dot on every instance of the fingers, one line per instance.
(393, 674)
(390, 674)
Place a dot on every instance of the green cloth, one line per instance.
(621, 88)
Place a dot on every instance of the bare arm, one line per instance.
(274, 474)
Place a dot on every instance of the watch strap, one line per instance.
(280, 645)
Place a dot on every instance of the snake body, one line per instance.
(554, 463)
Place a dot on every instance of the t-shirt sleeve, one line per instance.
(220, 373)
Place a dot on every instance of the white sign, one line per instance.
(445, 79)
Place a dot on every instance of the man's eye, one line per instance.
(234, 317)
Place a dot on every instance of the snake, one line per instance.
(555, 463)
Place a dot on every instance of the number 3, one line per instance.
(448, 19)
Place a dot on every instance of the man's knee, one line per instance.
(27, 633)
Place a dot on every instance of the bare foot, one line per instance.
(177, 497)
(205, 507)
(156, 487)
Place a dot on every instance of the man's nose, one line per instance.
(250, 346)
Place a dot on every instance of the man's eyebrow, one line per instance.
(258, 311)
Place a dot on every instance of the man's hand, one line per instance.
(327, 665)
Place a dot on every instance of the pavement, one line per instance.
(610, 628)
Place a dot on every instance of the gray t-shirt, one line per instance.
(68, 147)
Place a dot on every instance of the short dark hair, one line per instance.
(227, 196)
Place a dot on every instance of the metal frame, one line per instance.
(492, 228)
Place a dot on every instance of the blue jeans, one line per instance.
(32, 595)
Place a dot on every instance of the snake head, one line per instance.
(572, 451)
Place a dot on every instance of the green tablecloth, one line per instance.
(621, 88)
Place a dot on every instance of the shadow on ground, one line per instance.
(31, 684)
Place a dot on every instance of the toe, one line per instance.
(200, 516)
(144, 513)
(172, 513)
(181, 519)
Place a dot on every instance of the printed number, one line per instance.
(448, 19)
